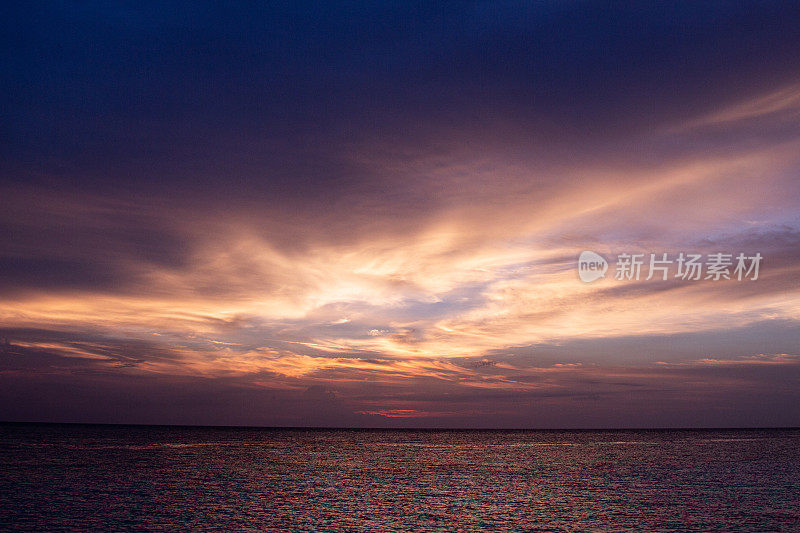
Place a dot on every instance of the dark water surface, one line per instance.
(75, 477)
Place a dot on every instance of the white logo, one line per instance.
(591, 266)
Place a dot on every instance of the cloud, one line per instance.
(782, 104)
(373, 202)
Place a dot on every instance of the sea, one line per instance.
(56, 477)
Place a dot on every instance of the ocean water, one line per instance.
(134, 478)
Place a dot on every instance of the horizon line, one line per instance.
(345, 428)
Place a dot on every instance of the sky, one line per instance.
(357, 214)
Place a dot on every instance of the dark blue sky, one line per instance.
(155, 95)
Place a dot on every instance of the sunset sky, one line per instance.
(370, 214)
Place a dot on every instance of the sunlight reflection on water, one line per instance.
(131, 478)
